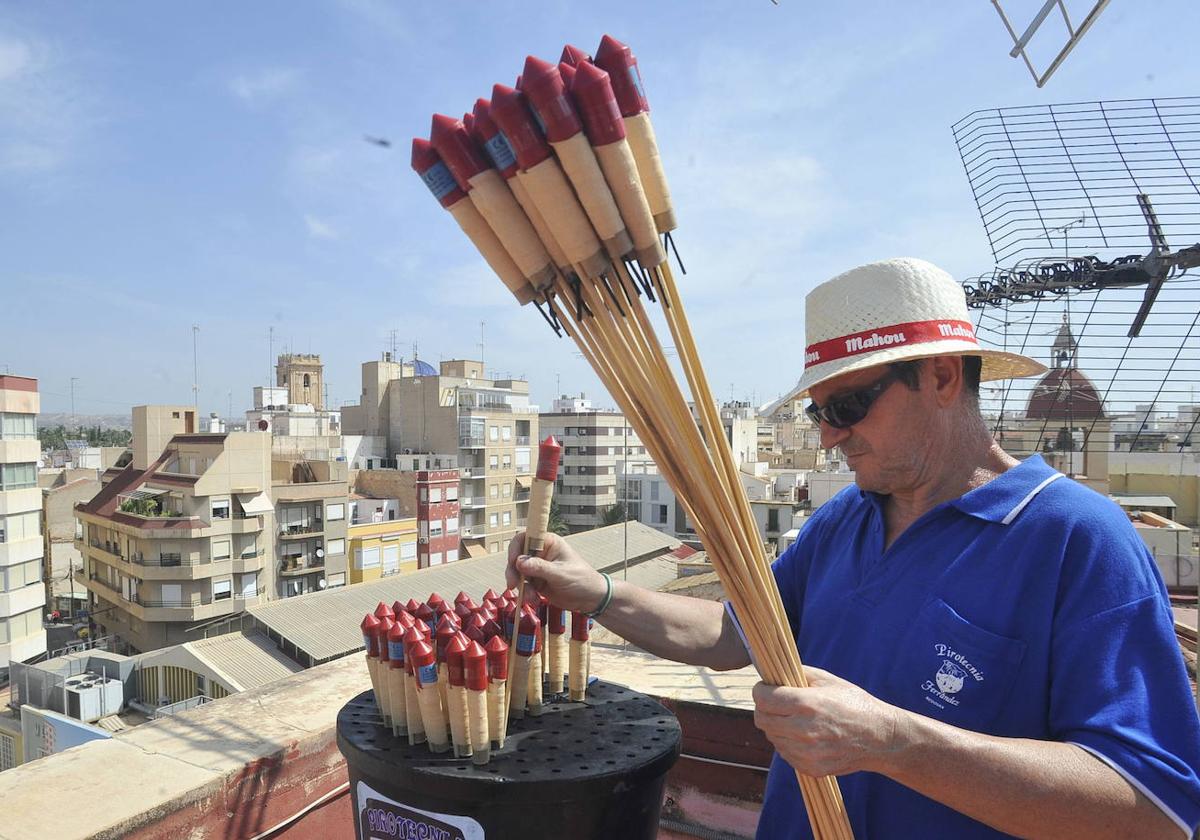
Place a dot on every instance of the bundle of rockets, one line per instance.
(558, 178)
(441, 672)
(558, 183)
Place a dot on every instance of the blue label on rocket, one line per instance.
(525, 644)
(636, 78)
(427, 674)
(439, 180)
(396, 651)
(500, 151)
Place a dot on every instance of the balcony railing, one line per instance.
(95, 578)
(522, 440)
(471, 442)
(157, 603)
(314, 527)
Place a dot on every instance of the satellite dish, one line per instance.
(320, 552)
(263, 425)
(321, 583)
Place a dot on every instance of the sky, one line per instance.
(164, 166)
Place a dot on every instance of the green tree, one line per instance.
(614, 515)
(555, 522)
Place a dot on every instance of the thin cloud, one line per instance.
(319, 229)
(263, 85)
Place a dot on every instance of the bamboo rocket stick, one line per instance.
(396, 697)
(557, 642)
(456, 709)
(475, 664)
(412, 706)
(371, 642)
(578, 672)
(497, 658)
(432, 714)
(534, 694)
(385, 704)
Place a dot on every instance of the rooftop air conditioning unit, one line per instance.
(90, 697)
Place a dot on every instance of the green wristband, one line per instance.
(608, 595)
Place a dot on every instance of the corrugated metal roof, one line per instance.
(245, 660)
(324, 625)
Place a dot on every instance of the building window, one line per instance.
(306, 380)
(366, 558)
(654, 491)
(423, 494)
(13, 425)
(222, 590)
(494, 461)
(493, 520)
(220, 549)
(18, 476)
(435, 494)
(435, 529)
(493, 433)
(335, 512)
(506, 432)
(452, 525)
(20, 526)
(660, 514)
(220, 509)
(494, 491)
(8, 755)
(507, 490)
(335, 547)
(391, 515)
(773, 519)
(452, 493)
(336, 580)
(506, 462)
(506, 518)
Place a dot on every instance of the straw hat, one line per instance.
(892, 311)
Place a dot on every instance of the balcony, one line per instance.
(472, 472)
(300, 564)
(522, 440)
(471, 442)
(476, 502)
(303, 529)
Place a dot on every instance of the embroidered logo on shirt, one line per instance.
(950, 677)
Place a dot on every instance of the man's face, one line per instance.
(886, 449)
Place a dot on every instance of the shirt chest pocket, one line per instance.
(950, 669)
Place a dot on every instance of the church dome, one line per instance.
(1065, 394)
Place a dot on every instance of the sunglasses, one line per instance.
(844, 411)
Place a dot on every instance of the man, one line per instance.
(989, 644)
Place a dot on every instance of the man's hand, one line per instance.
(831, 728)
(563, 576)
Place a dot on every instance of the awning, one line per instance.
(524, 482)
(474, 549)
(255, 502)
(143, 493)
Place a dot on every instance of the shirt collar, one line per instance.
(1002, 498)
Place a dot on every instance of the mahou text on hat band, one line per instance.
(915, 332)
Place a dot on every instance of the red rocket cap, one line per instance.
(469, 122)
(370, 640)
(436, 175)
(617, 60)
(557, 620)
(547, 93)
(421, 654)
(510, 111)
(573, 56)
(593, 95)
(579, 627)
(397, 608)
(462, 611)
(490, 595)
(493, 629)
(445, 632)
(404, 619)
(489, 136)
(395, 637)
(567, 71)
(476, 628)
(457, 149)
(412, 606)
(382, 610)
(548, 454)
(512, 594)
(528, 633)
(497, 657)
(425, 613)
(381, 631)
(435, 601)
(476, 667)
(461, 597)
(454, 661)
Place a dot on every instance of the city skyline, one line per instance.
(172, 171)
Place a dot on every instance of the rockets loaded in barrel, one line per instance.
(450, 675)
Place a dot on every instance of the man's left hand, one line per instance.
(831, 728)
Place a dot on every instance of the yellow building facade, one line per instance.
(382, 549)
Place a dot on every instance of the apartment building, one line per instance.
(382, 540)
(312, 510)
(22, 596)
(596, 444)
(487, 425)
(181, 532)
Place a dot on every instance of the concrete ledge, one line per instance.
(226, 769)
(246, 763)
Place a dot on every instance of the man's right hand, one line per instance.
(561, 575)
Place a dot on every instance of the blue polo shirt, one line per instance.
(1027, 608)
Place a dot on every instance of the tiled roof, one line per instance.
(245, 660)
